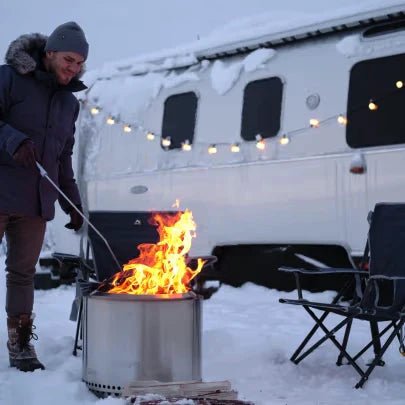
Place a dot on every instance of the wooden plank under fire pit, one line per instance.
(216, 392)
(196, 401)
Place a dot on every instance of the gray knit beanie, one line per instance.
(68, 37)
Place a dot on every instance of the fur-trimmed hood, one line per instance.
(25, 52)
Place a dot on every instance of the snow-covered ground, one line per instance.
(247, 338)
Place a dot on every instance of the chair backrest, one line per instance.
(124, 231)
(387, 241)
(387, 247)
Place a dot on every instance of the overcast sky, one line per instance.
(126, 28)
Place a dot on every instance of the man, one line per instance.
(37, 123)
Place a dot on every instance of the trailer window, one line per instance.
(376, 79)
(179, 118)
(261, 108)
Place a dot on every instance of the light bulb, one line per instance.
(127, 128)
(150, 136)
(372, 105)
(284, 140)
(110, 120)
(260, 144)
(166, 142)
(399, 84)
(94, 110)
(212, 149)
(235, 148)
(314, 123)
(186, 145)
(342, 120)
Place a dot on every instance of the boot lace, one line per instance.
(26, 334)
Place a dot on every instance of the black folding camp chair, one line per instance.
(385, 251)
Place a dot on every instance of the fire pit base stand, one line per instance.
(141, 338)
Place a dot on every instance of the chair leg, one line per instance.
(376, 360)
(344, 344)
(321, 320)
(375, 336)
(330, 335)
(365, 348)
(307, 338)
(78, 327)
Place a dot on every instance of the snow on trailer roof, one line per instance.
(266, 30)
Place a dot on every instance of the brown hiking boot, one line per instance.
(21, 352)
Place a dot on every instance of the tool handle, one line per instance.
(45, 174)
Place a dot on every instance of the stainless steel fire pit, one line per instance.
(129, 338)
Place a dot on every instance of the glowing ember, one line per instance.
(161, 268)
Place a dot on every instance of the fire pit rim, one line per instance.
(144, 297)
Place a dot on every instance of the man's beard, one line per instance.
(53, 69)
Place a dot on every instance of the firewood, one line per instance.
(214, 392)
(196, 401)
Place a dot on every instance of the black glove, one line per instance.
(76, 220)
(26, 154)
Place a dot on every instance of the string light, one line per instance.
(372, 105)
(166, 142)
(150, 136)
(235, 148)
(186, 145)
(127, 128)
(284, 140)
(110, 120)
(212, 149)
(342, 120)
(260, 144)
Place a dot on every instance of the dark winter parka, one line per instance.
(34, 106)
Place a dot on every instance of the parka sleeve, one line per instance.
(10, 138)
(66, 178)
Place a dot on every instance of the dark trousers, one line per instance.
(24, 236)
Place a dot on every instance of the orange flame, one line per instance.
(161, 268)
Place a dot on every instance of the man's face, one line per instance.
(64, 65)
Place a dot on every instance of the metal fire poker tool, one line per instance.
(45, 174)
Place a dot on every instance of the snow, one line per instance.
(257, 59)
(224, 76)
(127, 96)
(356, 45)
(174, 80)
(138, 81)
(349, 45)
(248, 337)
(246, 32)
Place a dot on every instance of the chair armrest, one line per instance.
(321, 271)
(67, 258)
(350, 309)
(86, 287)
